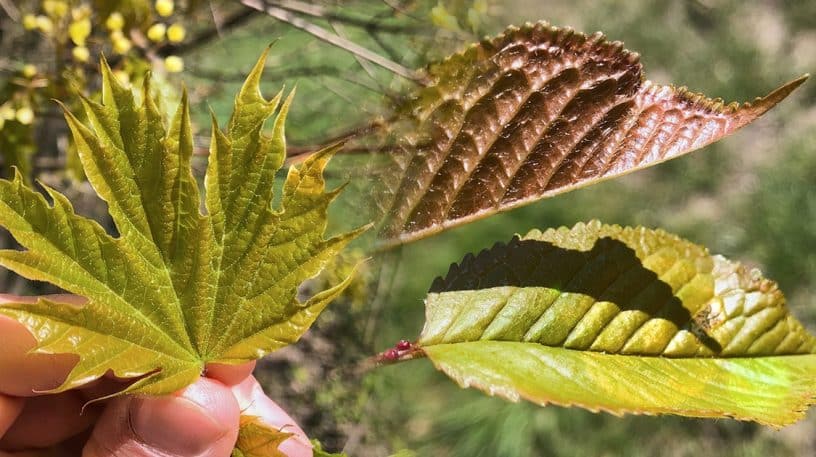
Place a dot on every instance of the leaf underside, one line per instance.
(177, 288)
(532, 113)
(623, 320)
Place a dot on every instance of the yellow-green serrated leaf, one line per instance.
(256, 439)
(624, 320)
(531, 113)
(175, 289)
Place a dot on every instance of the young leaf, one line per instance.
(318, 451)
(533, 113)
(256, 439)
(176, 289)
(624, 320)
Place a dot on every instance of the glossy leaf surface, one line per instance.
(625, 320)
(176, 288)
(532, 113)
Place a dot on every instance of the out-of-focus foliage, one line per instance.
(319, 452)
(72, 34)
(736, 196)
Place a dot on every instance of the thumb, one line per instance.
(200, 421)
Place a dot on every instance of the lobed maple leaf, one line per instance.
(176, 288)
(256, 439)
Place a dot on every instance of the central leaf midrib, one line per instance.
(149, 240)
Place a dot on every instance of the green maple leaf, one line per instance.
(176, 289)
(624, 320)
(256, 439)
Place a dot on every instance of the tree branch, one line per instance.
(318, 11)
(333, 39)
(10, 10)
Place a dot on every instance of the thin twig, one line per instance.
(398, 8)
(392, 53)
(364, 64)
(286, 73)
(321, 12)
(302, 7)
(333, 39)
(10, 10)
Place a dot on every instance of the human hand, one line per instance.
(199, 421)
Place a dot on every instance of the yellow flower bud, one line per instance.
(79, 31)
(44, 24)
(29, 70)
(29, 22)
(7, 112)
(25, 115)
(176, 33)
(55, 8)
(81, 54)
(81, 12)
(115, 21)
(164, 7)
(156, 32)
(173, 64)
(121, 45)
(117, 35)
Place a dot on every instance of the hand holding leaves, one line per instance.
(177, 288)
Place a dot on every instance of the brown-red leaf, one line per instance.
(535, 112)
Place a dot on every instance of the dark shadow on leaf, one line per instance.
(610, 271)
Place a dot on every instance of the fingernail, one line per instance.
(175, 425)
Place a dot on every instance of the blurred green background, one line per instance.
(750, 197)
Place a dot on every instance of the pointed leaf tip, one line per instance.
(529, 114)
(761, 105)
(168, 292)
(253, 79)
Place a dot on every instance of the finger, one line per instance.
(230, 375)
(200, 421)
(26, 454)
(254, 402)
(48, 420)
(10, 408)
(21, 373)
